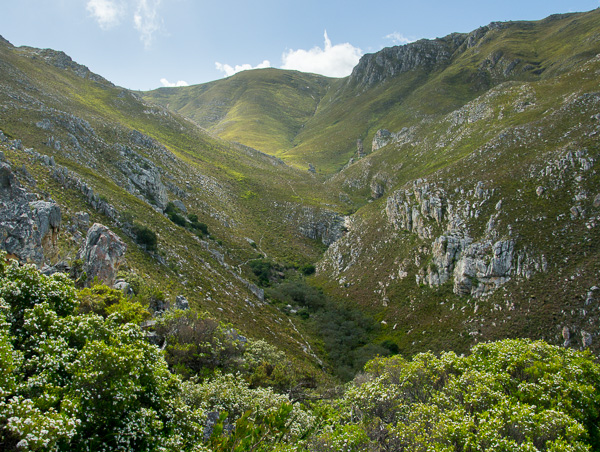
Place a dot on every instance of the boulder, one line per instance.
(181, 302)
(47, 217)
(25, 225)
(102, 254)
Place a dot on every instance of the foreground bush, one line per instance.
(513, 395)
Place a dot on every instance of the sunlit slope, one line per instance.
(264, 109)
(308, 119)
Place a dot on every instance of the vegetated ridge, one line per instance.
(452, 197)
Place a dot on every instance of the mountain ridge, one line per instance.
(434, 221)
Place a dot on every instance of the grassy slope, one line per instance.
(231, 188)
(264, 109)
(527, 126)
(247, 186)
(239, 108)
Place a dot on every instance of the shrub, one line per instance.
(308, 269)
(197, 344)
(515, 394)
(145, 236)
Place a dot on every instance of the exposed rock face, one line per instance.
(181, 302)
(62, 61)
(382, 137)
(144, 177)
(315, 223)
(47, 218)
(476, 267)
(102, 254)
(483, 267)
(392, 61)
(360, 149)
(25, 225)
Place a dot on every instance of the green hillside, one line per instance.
(472, 217)
(458, 69)
(264, 109)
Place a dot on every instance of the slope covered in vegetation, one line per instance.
(80, 380)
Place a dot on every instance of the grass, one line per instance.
(242, 194)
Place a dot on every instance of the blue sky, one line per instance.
(145, 44)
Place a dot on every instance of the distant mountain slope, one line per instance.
(484, 220)
(264, 109)
(471, 212)
(394, 88)
(73, 138)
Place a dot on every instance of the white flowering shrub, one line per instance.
(23, 287)
(512, 395)
(231, 394)
(82, 382)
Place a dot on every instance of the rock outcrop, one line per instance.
(393, 61)
(102, 254)
(26, 225)
(477, 267)
(144, 177)
(315, 223)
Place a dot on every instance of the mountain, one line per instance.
(453, 196)
(394, 88)
(262, 109)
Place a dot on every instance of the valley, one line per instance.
(445, 194)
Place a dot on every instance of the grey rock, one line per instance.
(586, 339)
(180, 205)
(181, 302)
(44, 124)
(47, 217)
(315, 223)
(144, 176)
(597, 200)
(311, 168)
(123, 286)
(539, 191)
(82, 220)
(393, 61)
(24, 226)
(566, 333)
(382, 138)
(102, 254)
(360, 150)
(483, 267)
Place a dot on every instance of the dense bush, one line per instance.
(105, 301)
(76, 376)
(345, 331)
(145, 236)
(262, 269)
(196, 344)
(80, 382)
(513, 395)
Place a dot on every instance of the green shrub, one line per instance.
(308, 269)
(262, 269)
(197, 344)
(516, 395)
(145, 236)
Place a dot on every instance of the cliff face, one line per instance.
(390, 62)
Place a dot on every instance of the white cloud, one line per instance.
(333, 60)
(107, 13)
(230, 70)
(146, 20)
(399, 38)
(168, 84)
(144, 13)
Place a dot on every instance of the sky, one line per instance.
(146, 44)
